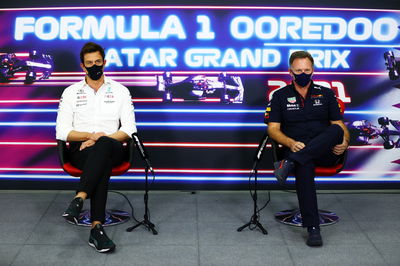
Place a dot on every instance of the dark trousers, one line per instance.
(96, 163)
(317, 152)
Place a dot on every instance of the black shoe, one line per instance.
(73, 210)
(99, 240)
(282, 170)
(314, 237)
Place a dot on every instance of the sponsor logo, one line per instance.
(317, 96)
(317, 102)
(81, 104)
(291, 99)
(291, 107)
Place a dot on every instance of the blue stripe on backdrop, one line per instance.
(242, 179)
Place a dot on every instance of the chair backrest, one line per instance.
(277, 154)
(65, 162)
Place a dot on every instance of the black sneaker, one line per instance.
(314, 237)
(73, 210)
(99, 240)
(282, 170)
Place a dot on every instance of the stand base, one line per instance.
(113, 217)
(146, 223)
(254, 223)
(293, 217)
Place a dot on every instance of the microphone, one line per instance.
(142, 150)
(260, 150)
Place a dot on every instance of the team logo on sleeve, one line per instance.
(340, 107)
(266, 114)
(291, 99)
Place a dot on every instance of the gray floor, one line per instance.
(200, 229)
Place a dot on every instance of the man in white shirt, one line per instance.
(95, 115)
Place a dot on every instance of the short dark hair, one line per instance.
(300, 54)
(91, 47)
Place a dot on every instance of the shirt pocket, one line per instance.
(319, 111)
(293, 115)
(81, 110)
(109, 108)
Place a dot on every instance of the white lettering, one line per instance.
(172, 26)
(50, 23)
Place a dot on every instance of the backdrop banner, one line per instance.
(200, 79)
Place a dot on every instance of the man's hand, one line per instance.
(297, 146)
(340, 148)
(96, 136)
(86, 144)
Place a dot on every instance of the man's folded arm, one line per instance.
(274, 132)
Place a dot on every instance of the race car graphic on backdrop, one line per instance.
(225, 88)
(362, 131)
(32, 63)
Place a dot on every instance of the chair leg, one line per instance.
(293, 217)
(113, 217)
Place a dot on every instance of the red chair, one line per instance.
(113, 216)
(293, 216)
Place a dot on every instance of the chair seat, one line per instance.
(118, 170)
(328, 171)
(72, 170)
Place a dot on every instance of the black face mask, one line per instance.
(95, 72)
(302, 79)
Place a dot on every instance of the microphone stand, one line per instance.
(146, 221)
(254, 220)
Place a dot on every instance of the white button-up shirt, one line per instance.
(108, 110)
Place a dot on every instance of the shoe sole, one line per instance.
(70, 218)
(314, 245)
(104, 250)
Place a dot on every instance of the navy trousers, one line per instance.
(317, 152)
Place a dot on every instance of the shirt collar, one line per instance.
(106, 81)
(311, 88)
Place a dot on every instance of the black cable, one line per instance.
(129, 202)
(258, 210)
(265, 205)
(149, 188)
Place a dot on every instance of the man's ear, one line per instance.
(291, 73)
(83, 68)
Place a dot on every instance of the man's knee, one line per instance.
(105, 143)
(336, 130)
(106, 140)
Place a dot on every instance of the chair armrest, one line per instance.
(62, 152)
(130, 149)
(276, 150)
